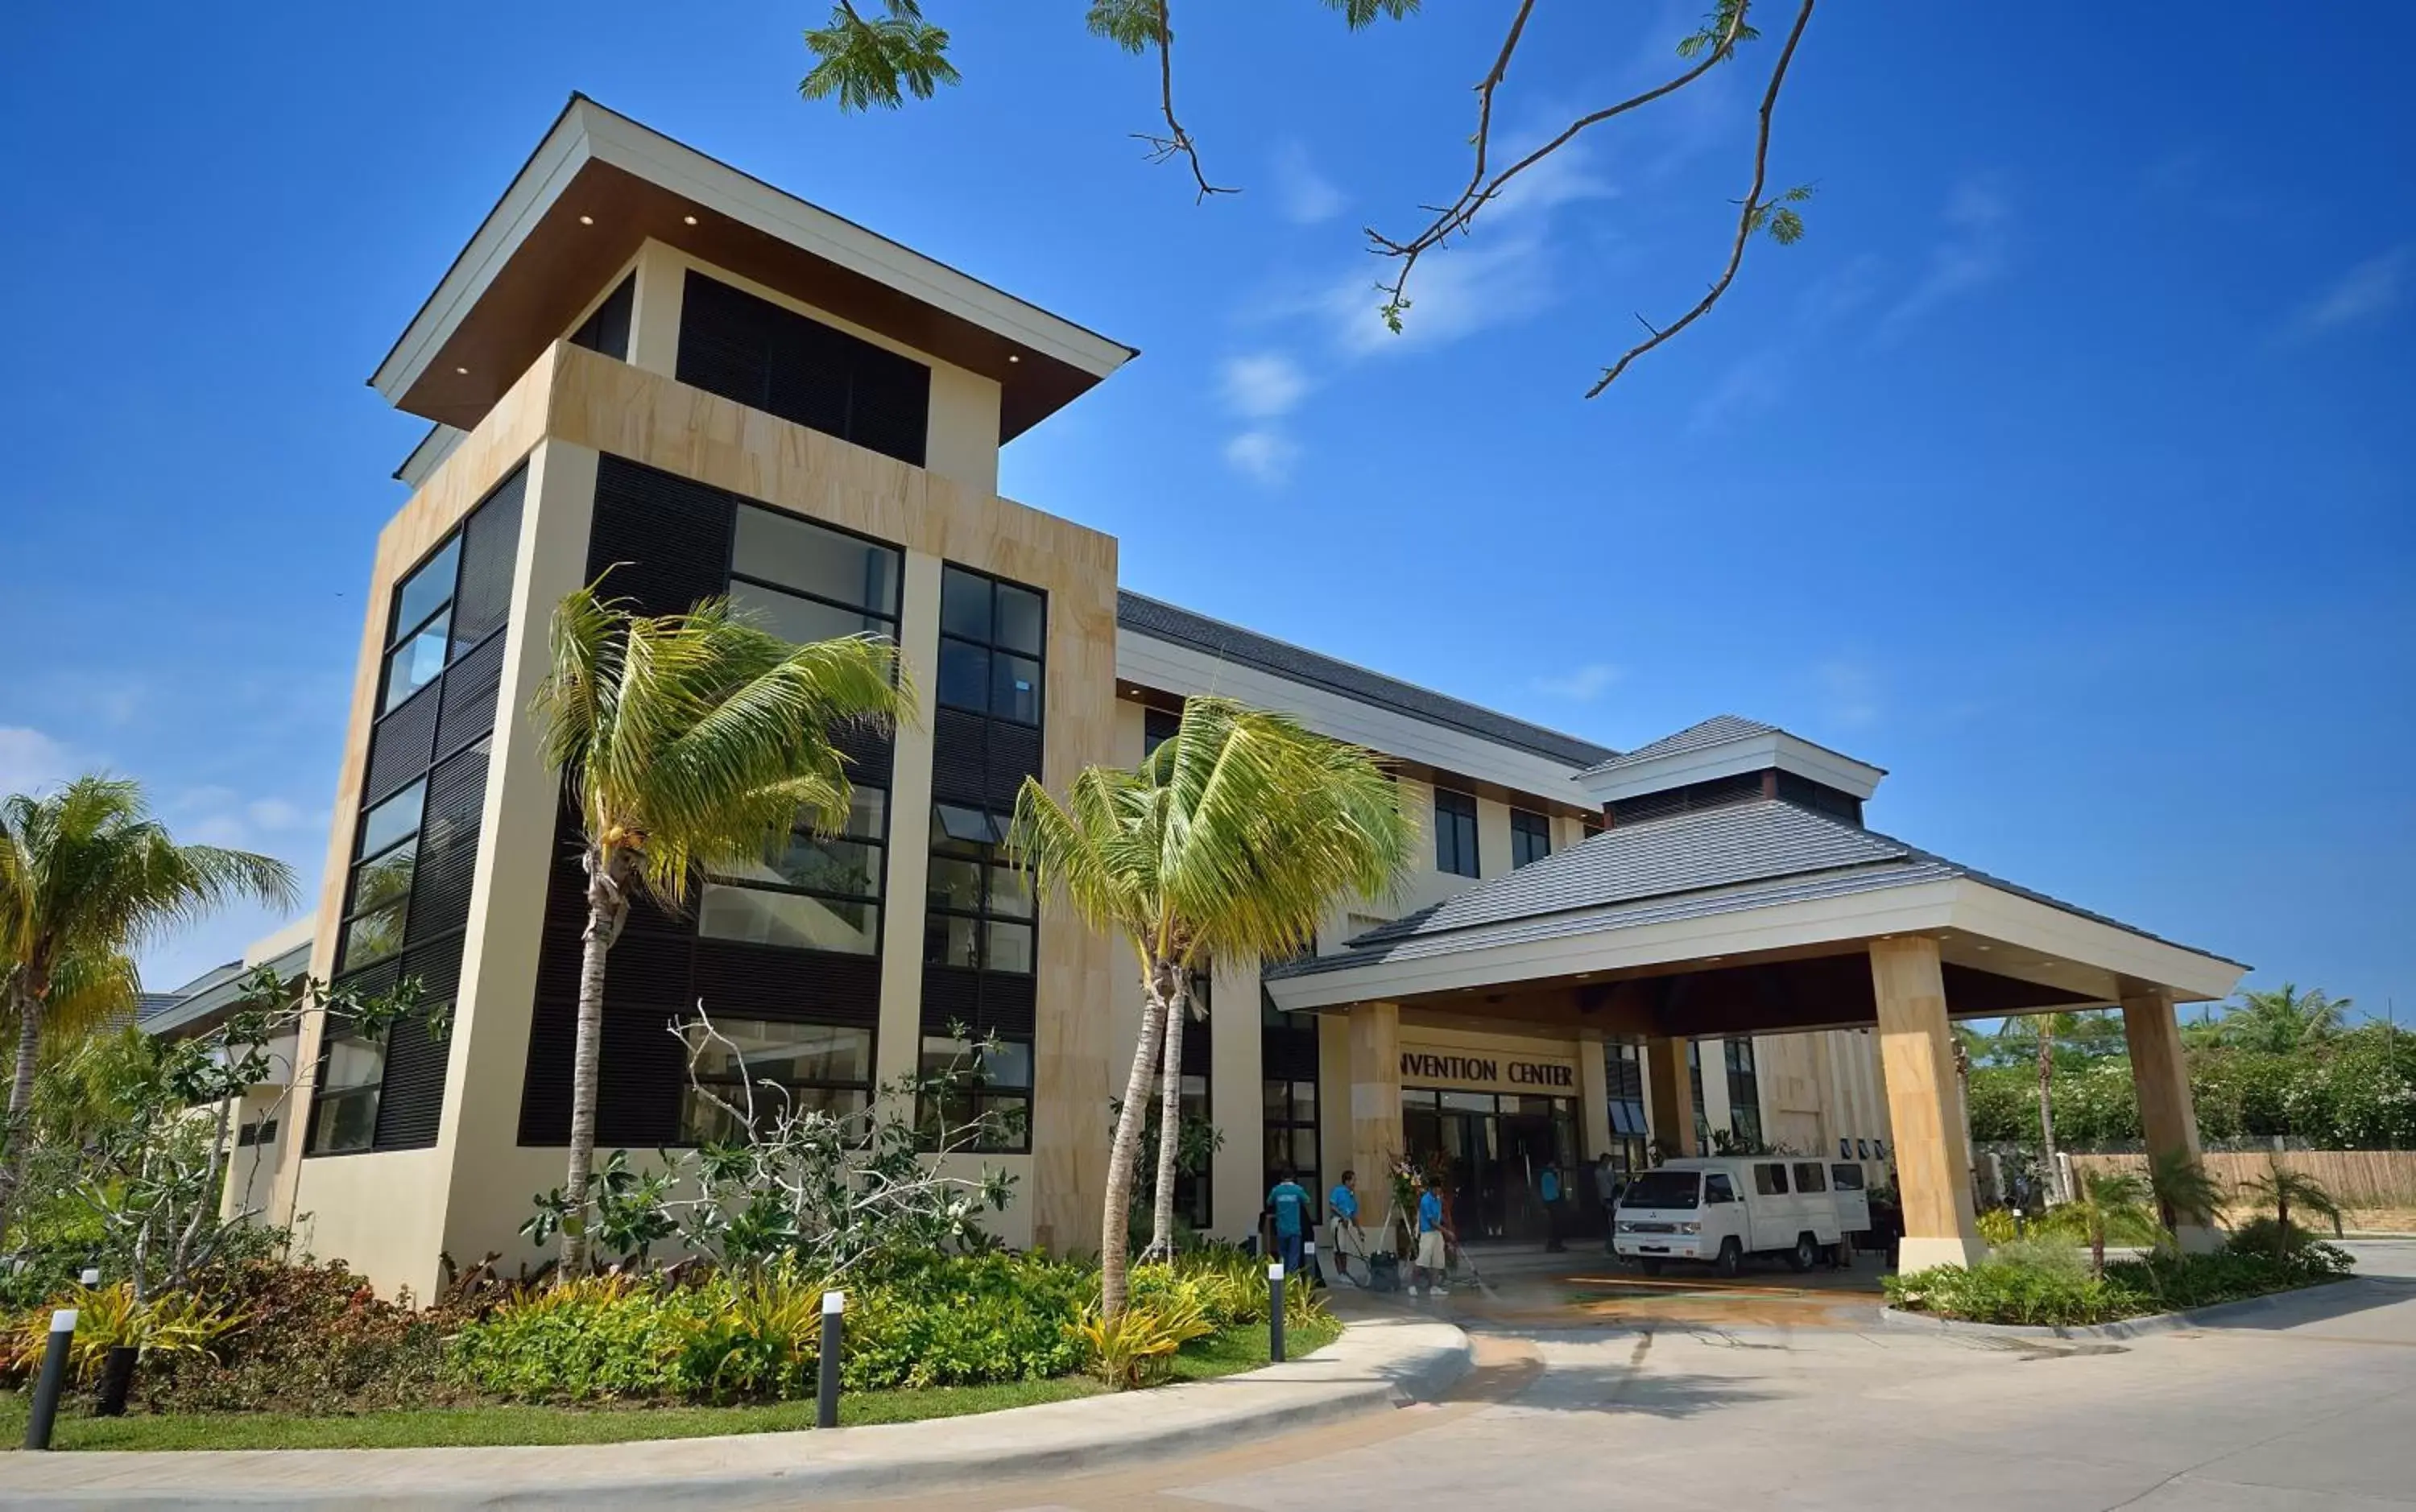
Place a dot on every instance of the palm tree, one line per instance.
(2281, 1188)
(2045, 1023)
(2185, 1193)
(87, 875)
(1228, 842)
(2116, 1204)
(687, 740)
(2285, 1019)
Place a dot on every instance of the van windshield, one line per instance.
(1664, 1189)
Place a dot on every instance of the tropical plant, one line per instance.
(2116, 1205)
(796, 1186)
(687, 741)
(2281, 1188)
(1133, 1346)
(112, 1316)
(88, 874)
(2185, 1195)
(1229, 841)
(2285, 1019)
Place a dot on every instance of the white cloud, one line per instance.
(30, 761)
(1306, 195)
(1581, 684)
(1261, 385)
(275, 813)
(1852, 692)
(1265, 455)
(2362, 295)
(1748, 388)
(1970, 254)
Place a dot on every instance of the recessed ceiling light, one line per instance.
(1014, 356)
(1984, 947)
(463, 371)
(587, 220)
(690, 219)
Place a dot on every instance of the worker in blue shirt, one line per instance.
(1342, 1205)
(1547, 1186)
(1431, 1259)
(1288, 1201)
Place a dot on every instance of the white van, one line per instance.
(1722, 1209)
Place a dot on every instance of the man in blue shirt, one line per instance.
(1342, 1203)
(1547, 1186)
(1288, 1201)
(1430, 1260)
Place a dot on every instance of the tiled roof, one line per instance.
(1153, 617)
(1752, 854)
(1717, 730)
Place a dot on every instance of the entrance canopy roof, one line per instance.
(1751, 916)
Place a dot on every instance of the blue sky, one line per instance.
(2060, 469)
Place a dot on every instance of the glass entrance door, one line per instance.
(1493, 1149)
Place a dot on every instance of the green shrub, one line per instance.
(313, 1339)
(593, 1338)
(2047, 1284)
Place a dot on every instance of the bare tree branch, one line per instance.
(1481, 191)
(1178, 140)
(1750, 216)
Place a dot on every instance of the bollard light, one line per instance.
(92, 1276)
(1275, 1313)
(827, 1394)
(53, 1378)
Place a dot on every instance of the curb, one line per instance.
(2155, 1323)
(1379, 1363)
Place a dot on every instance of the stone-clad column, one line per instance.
(1375, 1092)
(1917, 1063)
(1672, 1094)
(2160, 1074)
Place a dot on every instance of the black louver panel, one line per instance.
(1287, 1054)
(448, 847)
(401, 743)
(738, 980)
(1743, 788)
(1008, 1007)
(607, 329)
(750, 349)
(665, 539)
(951, 997)
(868, 752)
(1014, 755)
(959, 743)
(471, 685)
(491, 546)
(412, 1102)
(1196, 1049)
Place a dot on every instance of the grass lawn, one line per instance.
(1217, 1354)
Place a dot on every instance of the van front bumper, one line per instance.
(1659, 1246)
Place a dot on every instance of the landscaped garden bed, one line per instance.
(267, 1354)
(2050, 1282)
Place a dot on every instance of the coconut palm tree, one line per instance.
(1228, 842)
(2285, 1019)
(2117, 1204)
(2185, 1193)
(86, 876)
(686, 740)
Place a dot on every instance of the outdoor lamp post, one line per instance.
(53, 1378)
(1275, 1313)
(827, 1394)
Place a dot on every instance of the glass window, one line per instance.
(1810, 1177)
(811, 1068)
(796, 921)
(392, 819)
(384, 877)
(1862, 1150)
(964, 604)
(949, 940)
(1157, 726)
(964, 675)
(1020, 620)
(343, 1113)
(1770, 1179)
(1846, 1177)
(1718, 1189)
(427, 590)
(813, 558)
(1531, 837)
(990, 1086)
(990, 662)
(414, 665)
(1007, 948)
(1454, 834)
(373, 936)
(1679, 1190)
(1014, 688)
(801, 619)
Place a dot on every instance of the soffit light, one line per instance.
(690, 219)
(463, 371)
(587, 220)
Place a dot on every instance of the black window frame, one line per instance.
(1283, 1091)
(1456, 835)
(1531, 837)
(767, 1104)
(1744, 1088)
(987, 1099)
(990, 860)
(990, 647)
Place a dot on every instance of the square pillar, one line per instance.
(1375, 1093)
(1917, 1064)
(1673, 1095)
(1594, 1095)
(2160, 1075)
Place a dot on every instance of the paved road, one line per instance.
(2312, 1407)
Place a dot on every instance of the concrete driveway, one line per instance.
(2311, 1407)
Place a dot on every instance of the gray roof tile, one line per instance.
(1154, 617)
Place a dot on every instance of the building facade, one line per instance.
(647, 367)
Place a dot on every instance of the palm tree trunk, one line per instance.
(2046, 1103)
(605, 906)
(1115, 1230)
(1169, 1126)
(20, 1096)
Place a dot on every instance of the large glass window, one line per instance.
(810, 565)
(979, 906)
(812, 1068)
(379, 906)
(1291, 1122)
(1531, 837)
(1695, 1082)
(993, 641)
(421, 643)
(808, 892)
(1744, 1091)
(988, 1085)
(1454, 834)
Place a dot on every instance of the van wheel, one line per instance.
(1649, 1268)
(1806, 1251)
(1731, 1258)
